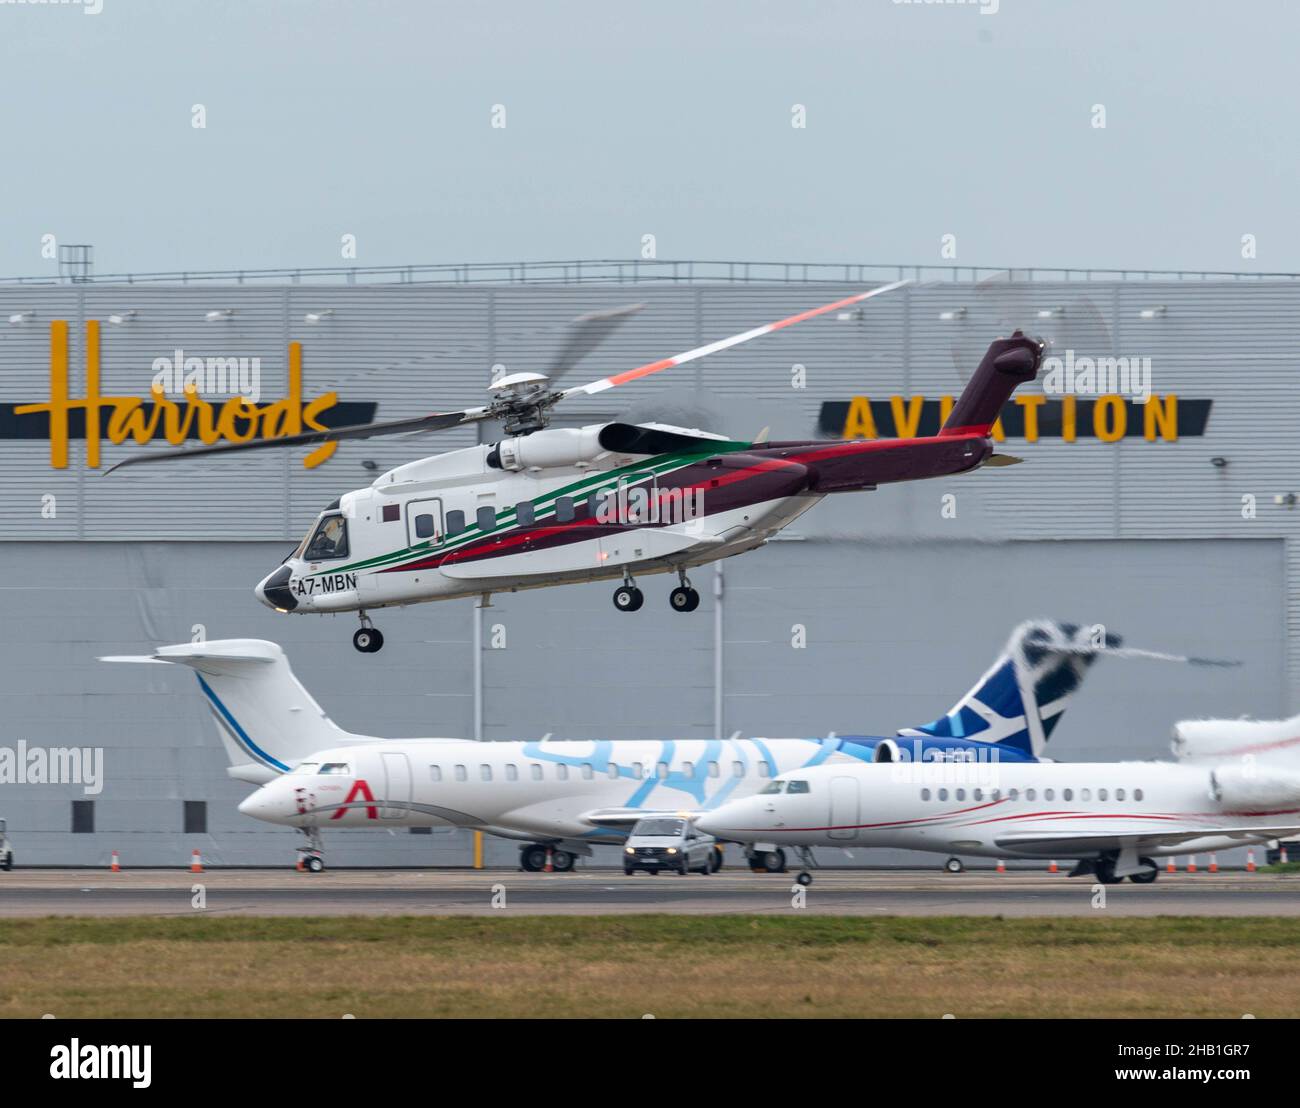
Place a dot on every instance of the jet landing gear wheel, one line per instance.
(684, 599)
(313, 863)
(768, 861)
(804, 878)
(954, 865)
(628, 598)
(368, 638)
(1149, 872)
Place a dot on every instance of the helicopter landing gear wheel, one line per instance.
(628, 598)
(684, 599)
(369, 638)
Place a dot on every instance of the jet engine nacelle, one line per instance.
(1249, 788)
(553, 448)
(886, 751)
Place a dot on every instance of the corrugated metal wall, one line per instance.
(899, 599)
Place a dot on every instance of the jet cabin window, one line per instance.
(330, 540)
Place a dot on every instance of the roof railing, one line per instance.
(639, 271)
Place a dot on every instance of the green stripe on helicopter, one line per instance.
(544, 505)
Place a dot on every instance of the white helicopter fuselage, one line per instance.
(455, 525)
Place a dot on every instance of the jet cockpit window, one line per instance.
(329, 540)
(798, 787)
(306, 767)
(774, 787)
(335, 767)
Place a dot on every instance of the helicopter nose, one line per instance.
(274, 591)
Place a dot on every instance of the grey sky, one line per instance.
(372, 117)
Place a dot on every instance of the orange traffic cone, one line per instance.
(1191, 863)
(1051, 866)
(1002, 867)
(1214, 863)
(1250, 861)
(113, 866)
(1172, 867)
(550, 866)
(196, 863)
(301, 867)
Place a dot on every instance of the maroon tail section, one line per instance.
(1006, 364)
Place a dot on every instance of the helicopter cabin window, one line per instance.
(486, 518)
(512, 772)
(461, 774)
(455, 522)
(798, 787)
(329, 540)
(392, 513)
(564, 512)
(593, 507)
(424, 526)
(525, 516)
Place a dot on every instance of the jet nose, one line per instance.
(274, 590)
(259, 805)
(709, 824)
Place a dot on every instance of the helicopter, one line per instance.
(547, 506)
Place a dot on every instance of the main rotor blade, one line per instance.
(723, 344)
(438, 421)
(586, 333)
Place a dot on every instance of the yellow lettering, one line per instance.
(1109, 418)
(1163, 412)
(1069, 418)
(906, 423)
(859, 423)
(1031, 404)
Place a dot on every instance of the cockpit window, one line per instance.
(335, 767)
(798, 787)
(329, 540)
(306, 767)
(774, 787)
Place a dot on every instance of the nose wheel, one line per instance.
(368, 638)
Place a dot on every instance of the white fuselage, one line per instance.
(1055, 810)
(400, 530)
(529, 790)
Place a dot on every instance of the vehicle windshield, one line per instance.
(664, 828)
(329, 540)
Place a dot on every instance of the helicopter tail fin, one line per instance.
(267, 720)
(1006, 364)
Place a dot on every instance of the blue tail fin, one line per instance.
(1023, 696)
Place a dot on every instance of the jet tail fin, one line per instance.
(1024, 694)
(267, 720)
